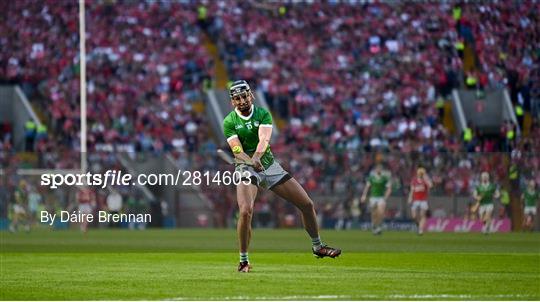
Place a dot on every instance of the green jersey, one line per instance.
(486, 193)
(531, 198)
(20, 196)
(246, 129)
(378, 183)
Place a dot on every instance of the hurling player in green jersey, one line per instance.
(248, 130)
(19, 214)
(379, 187)
(485, 194)
(530, 198)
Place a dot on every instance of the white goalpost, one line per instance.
(82, 62)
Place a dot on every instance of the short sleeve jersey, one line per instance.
(246, 129)
(419, 189)
(378, 183)
(531, 198)
(486, 193)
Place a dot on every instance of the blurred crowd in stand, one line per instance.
(350, 84)
(353, 76)
(146, 64)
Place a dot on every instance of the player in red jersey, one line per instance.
(418, 196)
(87, 202)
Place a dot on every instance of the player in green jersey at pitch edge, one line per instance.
(248, 130)
(379, 187)
(530, 199)
(485, 195)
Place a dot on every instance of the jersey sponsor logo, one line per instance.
(239, 126)
(419, 188)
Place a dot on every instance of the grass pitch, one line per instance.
(201, 264)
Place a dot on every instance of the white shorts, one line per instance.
(485, 208)
(85, 208)
(529, 210)
(19, 209)
(267, 179)
(422, 204)
(375, 201)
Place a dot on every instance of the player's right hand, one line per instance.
(257, 165)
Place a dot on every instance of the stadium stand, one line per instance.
(338, 70)
(145, 68)
(354, 83)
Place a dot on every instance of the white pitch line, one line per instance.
(457, 296)
(367, 296)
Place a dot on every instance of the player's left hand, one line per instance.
(257, 165)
